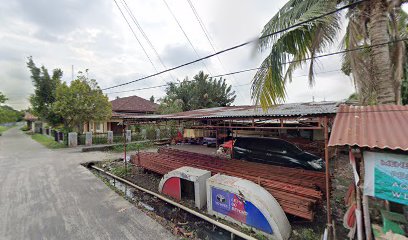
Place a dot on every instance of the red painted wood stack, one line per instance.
(298, 191)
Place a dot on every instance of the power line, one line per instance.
(316, 57)
(188, 39)
(240, 45)
(134, 34)
(207, 35)
(294, 61)
(305, 59)
(144, 34)
(241, 85)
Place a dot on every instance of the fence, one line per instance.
(147, 134)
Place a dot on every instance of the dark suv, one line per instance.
(275, 151)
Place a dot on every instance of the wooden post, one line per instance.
(365, 207)
(326, 156)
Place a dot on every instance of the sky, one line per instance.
(92, 34)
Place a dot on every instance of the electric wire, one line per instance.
(185, 35)
(134, 34)
(299, 60)
(241, 85)
(138, 40)
(132, 16)
(241, 45)
(207, 35)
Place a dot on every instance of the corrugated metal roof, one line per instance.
(383, 127)
(282, 110)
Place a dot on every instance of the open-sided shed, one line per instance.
(293, 116)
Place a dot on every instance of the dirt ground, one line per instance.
(188, 226)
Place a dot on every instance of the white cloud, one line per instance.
(92, 35)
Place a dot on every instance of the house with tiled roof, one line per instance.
(132, 105)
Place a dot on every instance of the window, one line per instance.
(99, 127)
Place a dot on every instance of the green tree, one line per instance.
(151, 99)
(7, 113)
(3, 98)
(44, 96)
(170, 107)
(377, 71)
(201, 92)
(81, 102)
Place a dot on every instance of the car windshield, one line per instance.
(292, 148)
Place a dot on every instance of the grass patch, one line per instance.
(47, 141)
(121, 171)
(306, 234)
(133, 146)
(3, 129)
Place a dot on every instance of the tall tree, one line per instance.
(44, 96)
(81, 102)
(201, 92)
(404, 86)
(377, 71)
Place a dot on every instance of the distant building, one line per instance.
(30, 120)
(121, 107)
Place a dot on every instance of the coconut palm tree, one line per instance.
(377, 71)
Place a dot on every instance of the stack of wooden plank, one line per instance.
(298, 191)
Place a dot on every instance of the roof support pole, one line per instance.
(326, 157)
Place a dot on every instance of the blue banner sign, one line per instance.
(238, 208)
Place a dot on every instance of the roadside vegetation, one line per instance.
(378, 72)
(24, 128)
(47, 141)
(7, 113)
(3, 129)
(66, 105)
(133, 146)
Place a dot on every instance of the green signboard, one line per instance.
(386, 176)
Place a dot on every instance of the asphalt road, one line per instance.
(47, 194)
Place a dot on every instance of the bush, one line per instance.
(133, 146)
(121, 171)
(24, 128)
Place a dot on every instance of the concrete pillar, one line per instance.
(33, 126)
(158, 133)
(128, 135)
(88, 138)
(38, 126)
(144, 134)
(110, 137)
(49, 132)
(72, 139)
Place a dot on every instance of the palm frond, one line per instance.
(268, 87)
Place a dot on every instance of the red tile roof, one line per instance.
(133, 104)
(383, 127)
(30, 117)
